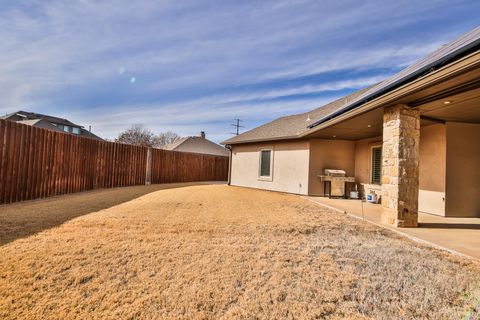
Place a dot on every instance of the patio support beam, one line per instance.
(400, 165)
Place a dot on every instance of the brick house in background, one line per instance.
(412, 139)
(49, 122)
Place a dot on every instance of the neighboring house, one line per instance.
(49, 122)
(198, 144)
(413, 139)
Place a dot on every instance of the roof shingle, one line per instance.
(291, 126)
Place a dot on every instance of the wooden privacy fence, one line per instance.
(39, 163)
(170, 166)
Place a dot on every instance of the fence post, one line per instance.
(148, 173)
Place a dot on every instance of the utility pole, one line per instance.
(237, 126)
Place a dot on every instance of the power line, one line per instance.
(237, 126)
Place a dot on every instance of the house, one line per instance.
(198, 144)
(49, 122)
(412, 139)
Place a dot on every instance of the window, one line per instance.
(376, 165)
(266, 163)
(76, 130)
(66, 128)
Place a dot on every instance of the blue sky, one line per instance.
(189, 66)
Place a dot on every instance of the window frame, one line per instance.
(379, 146)
(76, 129)
(260, 152)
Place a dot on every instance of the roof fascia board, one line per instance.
(259, 140)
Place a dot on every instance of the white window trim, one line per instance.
(376, 146)
(270, 177)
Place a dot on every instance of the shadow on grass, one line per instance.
(27, 218)
(461, 226)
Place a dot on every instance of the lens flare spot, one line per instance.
(133, 80)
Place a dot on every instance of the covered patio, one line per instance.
(461, 235)
(417, 148)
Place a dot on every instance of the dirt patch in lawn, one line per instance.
(224, 252)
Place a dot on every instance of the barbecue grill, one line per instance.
(335, 182)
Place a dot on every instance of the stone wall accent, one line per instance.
(400, 165)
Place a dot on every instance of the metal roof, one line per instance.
(440, 57)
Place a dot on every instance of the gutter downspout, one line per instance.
(229, 181)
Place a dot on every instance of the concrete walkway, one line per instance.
(457, 234)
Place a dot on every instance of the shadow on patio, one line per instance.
(457, 234)
(23, 219)
(465, 226)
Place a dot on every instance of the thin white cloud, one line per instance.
(190, 118)
(383, 57)
(209, 113)
(308, 89)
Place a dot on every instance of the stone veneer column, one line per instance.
(400, 161)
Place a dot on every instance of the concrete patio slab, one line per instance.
(461, 235)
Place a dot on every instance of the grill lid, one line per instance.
(335, 172)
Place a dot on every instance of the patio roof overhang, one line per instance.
(451, 93)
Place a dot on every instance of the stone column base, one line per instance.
(391, 217)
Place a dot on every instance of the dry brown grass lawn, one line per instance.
(203, 252)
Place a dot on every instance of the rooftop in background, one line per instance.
(197, 144)
(49, 122)
(291, 127)
(25, 115)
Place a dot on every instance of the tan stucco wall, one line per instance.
(433, 152)
(432, 166)
(449, 177)
(463, 170)
(432, 180)
(290, 166)
(329, 154)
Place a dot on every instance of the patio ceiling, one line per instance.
(367, 125)
(364, 126)
(461, 107)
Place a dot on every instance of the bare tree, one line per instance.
(164, 138)
(137, 135)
